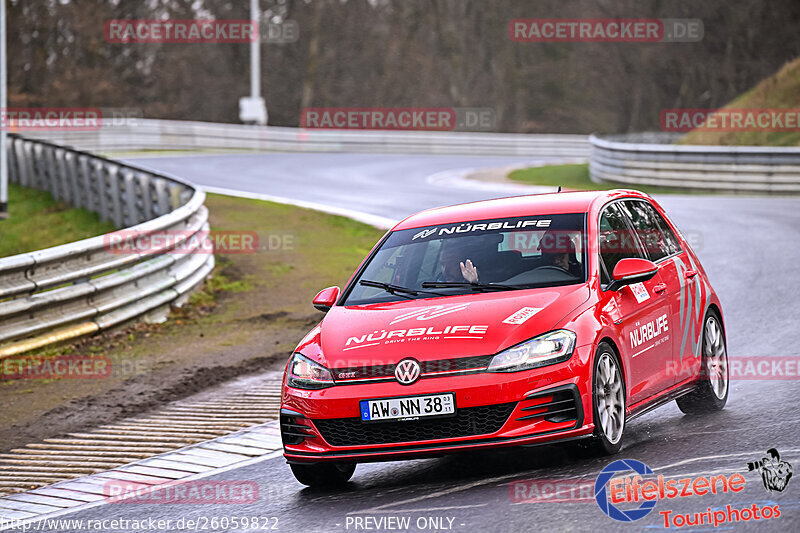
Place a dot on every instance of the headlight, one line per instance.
(306, 374)
(547, 349)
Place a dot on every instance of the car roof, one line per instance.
(515, 206)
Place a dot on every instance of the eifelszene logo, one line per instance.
(601, 490)
(616, 487)
(617, 492)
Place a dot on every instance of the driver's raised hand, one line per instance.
(469, 271)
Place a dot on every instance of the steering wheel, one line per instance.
(556, 268)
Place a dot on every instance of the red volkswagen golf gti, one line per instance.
(516, 321)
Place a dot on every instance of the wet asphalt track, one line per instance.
(749, 247)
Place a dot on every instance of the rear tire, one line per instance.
(711, 392)
(327, 475)
(608, 402)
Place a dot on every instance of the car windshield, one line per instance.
(476, 256)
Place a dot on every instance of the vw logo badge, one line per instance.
(407, 371)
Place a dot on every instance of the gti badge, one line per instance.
(407, 371)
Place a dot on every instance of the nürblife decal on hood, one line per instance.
(429, 313)
(396, 336)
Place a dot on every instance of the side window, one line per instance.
(430, 264)
(670, 240)
(617, 241)
(650, 227)
(391, 268)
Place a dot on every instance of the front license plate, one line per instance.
(408, 407)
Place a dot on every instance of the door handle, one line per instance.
(661, 287)
(690, 274)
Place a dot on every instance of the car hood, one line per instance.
(438, 328)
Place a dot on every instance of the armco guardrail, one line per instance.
(151, 134)
(652, 159)
(85, 286)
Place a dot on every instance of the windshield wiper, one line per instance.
(473, 286)
(397, 290)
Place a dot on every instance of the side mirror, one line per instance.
(325, 299)
(631, 270)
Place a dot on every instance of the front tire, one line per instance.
(326, 475)
(711, 393)
(608, 402)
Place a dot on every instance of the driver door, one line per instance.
(642, 310)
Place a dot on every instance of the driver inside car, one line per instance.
(558, 251)
(560, 260)
(456, 263)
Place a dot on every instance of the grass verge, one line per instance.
(781, 90)
(576, 177)
(38, 221)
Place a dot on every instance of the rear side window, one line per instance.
(617, 241)
(651, 228)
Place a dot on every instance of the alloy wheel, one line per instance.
(610, 398)
(716, 358)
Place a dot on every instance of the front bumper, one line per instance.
(493, 410)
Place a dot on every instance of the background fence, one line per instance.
(149, 134)
(82, 287)
(651, 159)
(632, 159)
